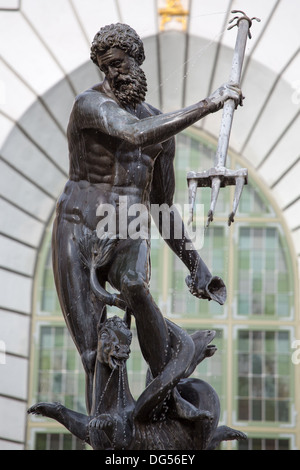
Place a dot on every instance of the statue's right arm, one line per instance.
(92, 110)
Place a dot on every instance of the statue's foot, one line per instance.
(45, 409)
(225, 433)
(186, 410)
(234, 435)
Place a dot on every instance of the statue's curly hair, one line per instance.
(118, 35)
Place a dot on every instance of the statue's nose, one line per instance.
(113, 72)
(122, 351)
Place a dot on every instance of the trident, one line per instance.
(220, 176)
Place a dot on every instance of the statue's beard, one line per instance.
(130, 89)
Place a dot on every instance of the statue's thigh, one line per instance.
(132, 259)
(80, 308)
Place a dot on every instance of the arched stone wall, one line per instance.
(42, 69)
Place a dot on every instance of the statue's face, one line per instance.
(126, 79)
(114, 345)
(114, 63)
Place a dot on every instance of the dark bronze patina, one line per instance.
(121, 147)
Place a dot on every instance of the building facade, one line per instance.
(44, 64)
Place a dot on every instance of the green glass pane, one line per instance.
(69, 401)
(59, 337)
(257, 304)
(71, 359)
(283, 444)
(256, 410)
(257, 341)
(57, 382)
(270, 387)
(257, 283)
(270, 260)
(257, 261)
(270, 410)
(257, 364)
(243, 410)
(245, 238)
(283, 364)
(271, 239)
(57, 363)
(256, 444)
(283, 344)
(243, 360)
(270, 364)
(243, 387)
(257, 387)
(270, 304)
(283, 411)
(67, 442)
(45, 359)
(283, 282)
(244, 281)
(243, 344)
(270, 341)
(243, 304)
(283, 305)
(41, 441)
(55, 441)
(46, 337)
(283, 387)
(244, 259)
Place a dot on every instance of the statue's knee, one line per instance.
(133, 284)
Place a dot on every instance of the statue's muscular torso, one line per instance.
(104, 167)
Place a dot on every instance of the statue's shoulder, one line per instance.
(91, 97)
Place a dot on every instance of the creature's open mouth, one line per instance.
(117, 362)
(211, 348)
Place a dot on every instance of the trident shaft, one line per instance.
(220, 176)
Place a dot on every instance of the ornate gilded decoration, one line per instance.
(173, 10)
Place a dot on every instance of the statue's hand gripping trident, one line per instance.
(220, 176)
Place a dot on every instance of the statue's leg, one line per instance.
(76, 423)
(224, 433)
(80, 307)
(129, 274)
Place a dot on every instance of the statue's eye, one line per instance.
(115, 63)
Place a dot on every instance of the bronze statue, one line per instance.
(174, 411)
(122, 149)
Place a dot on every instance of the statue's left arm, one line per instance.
(200, 280)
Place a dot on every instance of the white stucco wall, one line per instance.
(44, 49)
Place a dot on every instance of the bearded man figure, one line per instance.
(121, 148)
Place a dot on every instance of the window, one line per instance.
(252, 370)
(60, 374)
(55, 441)
(264, 285)
(253, 443)
(264, 376)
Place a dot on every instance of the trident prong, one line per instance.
(220, 176)
(239, 18)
